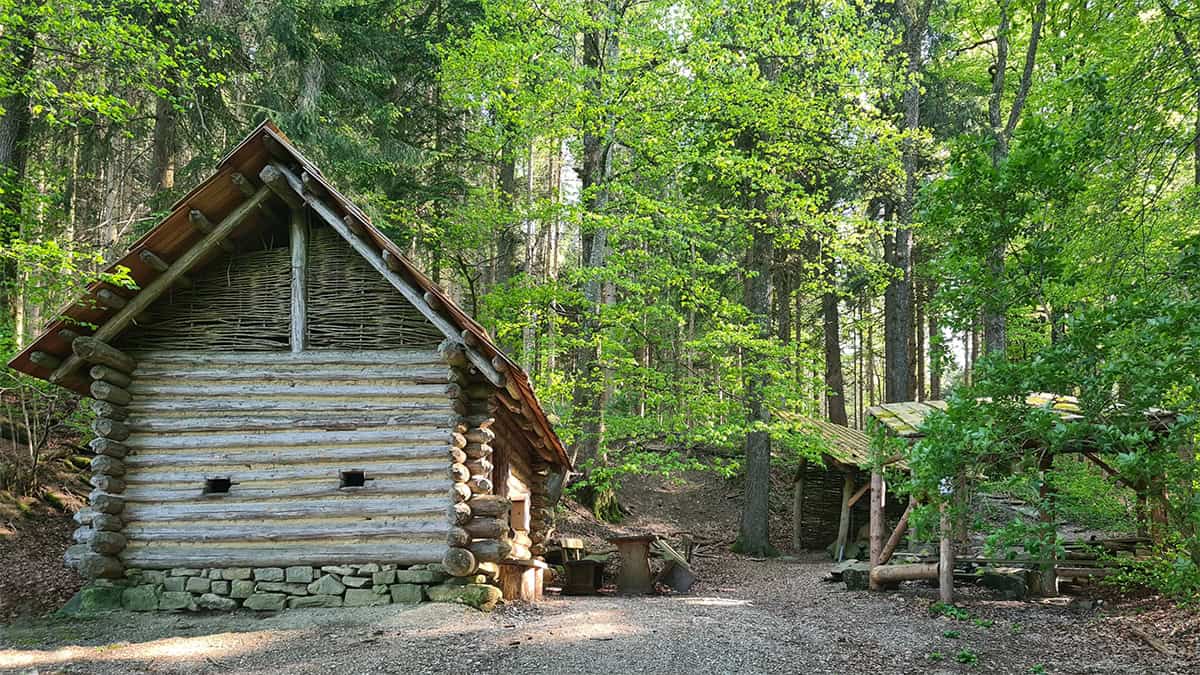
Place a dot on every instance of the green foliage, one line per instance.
(1171, 570)
(952, 634)
(967, 657)
(943, 609)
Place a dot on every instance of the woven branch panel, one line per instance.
(822, 506)
(350, 306)
(240, 303)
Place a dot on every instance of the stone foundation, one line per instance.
(277, 588)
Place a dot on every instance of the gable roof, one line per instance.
(220, 195)
(844, 446)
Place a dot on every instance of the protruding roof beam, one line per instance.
(159, 265)
(201, 222)
(164, 281)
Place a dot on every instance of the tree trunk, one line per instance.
(506, 238)
(753, 536)
(590, 397)
(935, 358)
(835, 387)
(163, 177)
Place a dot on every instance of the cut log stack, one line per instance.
(101, 539)
(479, 535)
(541, 524)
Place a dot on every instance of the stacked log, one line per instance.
(101, 535)
(541, 524)
(478, 537)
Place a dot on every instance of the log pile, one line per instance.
(99, 538)
(479, 535)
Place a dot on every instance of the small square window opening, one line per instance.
(217, 486)
(354, 478)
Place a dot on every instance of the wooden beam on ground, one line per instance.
(376, 260)
(298, 240)
(121, 320)
(205, 226)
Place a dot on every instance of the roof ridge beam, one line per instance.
(164, 281)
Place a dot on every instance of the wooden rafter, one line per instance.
(121, 320)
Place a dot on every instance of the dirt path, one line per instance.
(760, 617)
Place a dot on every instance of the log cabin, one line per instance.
(289, 413)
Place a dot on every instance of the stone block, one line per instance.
(198, 585)
(175, 600)
(185, 572)
(174, 584)
(302, 574)
(381, 589)
(857, 576)
(316, 601)
(94, 599)
(1011, 582)
(266, 601)
(369, 568)
(340, 570)
(479, 596)
(411, 576)
(141, 598)
(407, 593)
(236, 573)
(327, 585)
(356, 582)
(364, 597)
(281, 587)
(268, 574)
(215, 602)
(384, 577)
(215, 574)
(241, 588)
(154, 576)
(220, 587)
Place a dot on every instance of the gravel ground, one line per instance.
(772, 616)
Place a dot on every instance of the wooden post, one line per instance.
(839, 546)
(299, 246)
(1046, 515)
(946, 556)
(877, 497)
(798, 506)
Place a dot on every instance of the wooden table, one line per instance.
(634, 550)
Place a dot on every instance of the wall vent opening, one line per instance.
(354, 478)
(217, 486)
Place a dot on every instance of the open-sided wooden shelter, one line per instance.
(904, 420)
(827, 499)
(284, 397)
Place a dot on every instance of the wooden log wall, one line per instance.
(480, 532)
(100, 539)
(282, 428)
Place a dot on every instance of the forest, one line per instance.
(696, 224)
